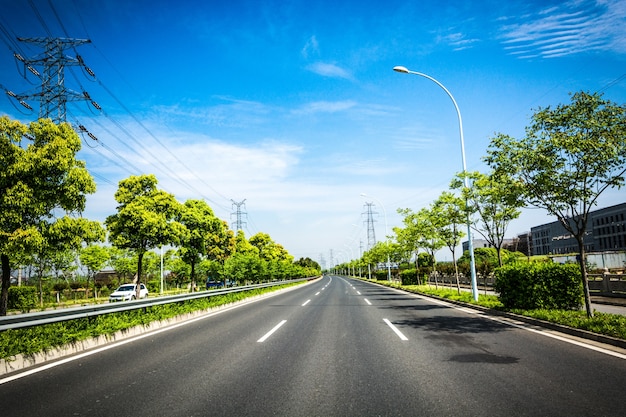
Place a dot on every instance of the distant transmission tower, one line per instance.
(238, 224)
(53, 96)
(371, 233)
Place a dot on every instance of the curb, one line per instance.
(583, 334)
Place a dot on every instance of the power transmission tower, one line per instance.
(53, 96)
(371, 233)
(238, 223)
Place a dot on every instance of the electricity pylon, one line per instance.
(54, 95)
(238, 223)
(371, 233)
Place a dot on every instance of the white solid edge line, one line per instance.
(268, 334)
(523, 326)
(395, 330)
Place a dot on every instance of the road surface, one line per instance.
(335, 347)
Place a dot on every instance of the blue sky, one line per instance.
(294, 107)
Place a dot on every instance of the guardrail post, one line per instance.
(606, 283)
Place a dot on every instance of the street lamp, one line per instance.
(352, 255)
(386, 239)
(470, 245)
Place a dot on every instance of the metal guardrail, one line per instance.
(46, 317)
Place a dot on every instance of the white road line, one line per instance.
(114, 345)
(268, 334)
(358, 292)
(524, 326)
(317, 293)
(367, 301)
(306, 302)
(395, 329)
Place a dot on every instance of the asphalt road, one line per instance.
(335, 347)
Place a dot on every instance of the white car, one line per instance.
(128, 292)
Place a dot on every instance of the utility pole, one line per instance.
(54, 95)
(238, 223)
(371, 233)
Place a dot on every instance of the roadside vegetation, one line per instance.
(43, 338)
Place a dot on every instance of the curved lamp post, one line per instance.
(470, 245)
(386, 231)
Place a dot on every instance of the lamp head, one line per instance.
(402, 69)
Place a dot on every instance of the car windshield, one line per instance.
(126, 288)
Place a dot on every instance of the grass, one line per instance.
(613, 325)
(31, 340)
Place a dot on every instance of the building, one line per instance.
(520, 243)
(605, 231)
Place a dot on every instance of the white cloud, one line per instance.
(570, 28)
(329, 70)
(326, 107)
(458, 41)
(311, 47)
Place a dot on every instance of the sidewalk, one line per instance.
(615, 301)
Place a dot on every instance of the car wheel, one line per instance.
(132, 297)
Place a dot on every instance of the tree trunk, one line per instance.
(583, 274)
(193, 276)
(6, 282)
(139, 265)
(456, 273)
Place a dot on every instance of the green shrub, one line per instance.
(380, 274)
(60, 286)
(75, 285)
(412, 277)
(154, 286)
(539, 286)
(22, 298)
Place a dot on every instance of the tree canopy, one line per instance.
(40, 176)
(145, 218)
(570, 155)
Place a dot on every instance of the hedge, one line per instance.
(22, 298)
(533, 286)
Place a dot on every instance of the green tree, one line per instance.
(144, 219)
(450, 209)
(411, 236)
(569, 156)
(203, 233)
(424, 231)
(309, 263)
(40, 174)
(273, 255)
(495, 200)
(94, 258)
(123, 261)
